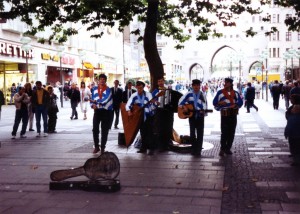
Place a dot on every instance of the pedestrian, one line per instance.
(228, 102)
(276, 91)
(295, 89)
(249, 97)
(101, 102)
(52, 111)
(40, 102)
(127, 92)
(13, 91)
(2, 101)
(163, 117)
(117, 99)
(21, 101)
(285, 93)
(143, 99)
(257, 87)
(291, 131)
(74, 96)
(197, 98)
(29, 91)
(85, 95)
(66, 89)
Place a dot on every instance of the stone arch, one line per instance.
(191, 68)
(214, 55)
(253, 64)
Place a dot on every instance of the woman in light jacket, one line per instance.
(85, 95)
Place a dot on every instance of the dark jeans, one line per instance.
(41, 112)
(74, 111)
(196, 124)
(250, 103)
(228, 126)
(21, 114)
(52, 118)
(276, 101)
(101, 116)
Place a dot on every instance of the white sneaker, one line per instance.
(13, 137)
(45, 135)
(23, 136)
(38, 135)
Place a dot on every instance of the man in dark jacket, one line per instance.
(40, 103)
(74, 96)
(128, 92)
(276, 91)
(250, 96)
(117, 99)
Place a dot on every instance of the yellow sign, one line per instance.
(88, 65)
(46, 56)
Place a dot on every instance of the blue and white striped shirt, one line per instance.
(142, 101)
(220, 97)
(189, 98)
(105, 102)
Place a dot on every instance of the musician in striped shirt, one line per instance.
(198, 100)
(144, 100)
(101, 102)
(228, 102)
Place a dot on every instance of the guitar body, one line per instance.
(182, 114)
(188, 111)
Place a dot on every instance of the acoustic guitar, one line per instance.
(188, 111)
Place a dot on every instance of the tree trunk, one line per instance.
(150, 46)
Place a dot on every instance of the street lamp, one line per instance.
(60, 53)
(26, 47)
(286, 56)
(264, 56)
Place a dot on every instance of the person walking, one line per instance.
(52, 111)
(249, 97)
(291, 131)
(276, 91)
(101, 102)
(40, 103)
(13, 91)
(29, 91)
(74, 96)
(127, 92)
(85, 95)
(2, 101)
(143, 99)
(257, 87)
(228, 102)
(117, 99)
(285, 93)
(197, 98)
(21, 101)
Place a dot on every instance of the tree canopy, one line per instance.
(167, 17)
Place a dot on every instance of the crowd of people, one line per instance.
(156, 128)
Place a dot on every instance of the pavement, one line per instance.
(257, 178)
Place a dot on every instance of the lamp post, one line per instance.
(82, 54)
(286, 56)
(265, 56)
(60, 54)
(26, 47)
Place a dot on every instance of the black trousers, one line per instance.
(196, 126)
(74, 111)
(276, 101)
(116, 111)
(52, 118)
(146, 132)
(21, 114)
(228, 126)
(101, 116)
(250, 103)
(163, 127)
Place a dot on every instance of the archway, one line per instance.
(196, 71)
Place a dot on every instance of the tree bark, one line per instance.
(150, 46)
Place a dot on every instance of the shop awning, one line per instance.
(88, 65)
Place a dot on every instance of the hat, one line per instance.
(196, 82)
(229, 80)
(140, 83)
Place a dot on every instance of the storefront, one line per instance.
(13, 67)
(85, 73)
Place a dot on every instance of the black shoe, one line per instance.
(256, 109)
(76, 118)
(247, 111)
(196, 154)
(31, 130)
(71, 118)
(96, 150)
(151, 152)
(228, 152)
(116, 127)
(142, 151)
